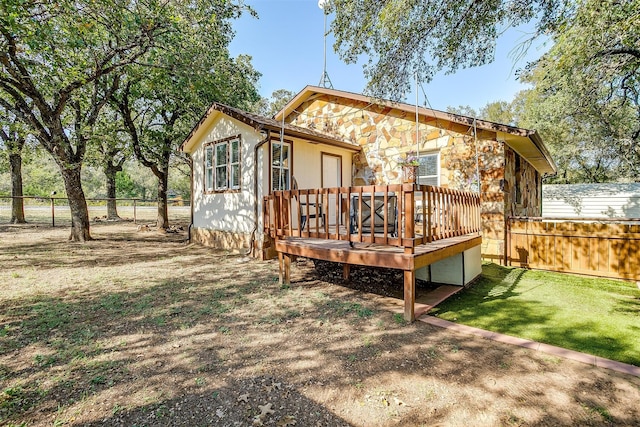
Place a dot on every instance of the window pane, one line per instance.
(221, 154)
(208, 157)
(275, 154)
(235, 176)
(285, 156)
(209, 183)
(221, 177)
(428, 165)
(235, 151)
(275, 179)
(280, 165)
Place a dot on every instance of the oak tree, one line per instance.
(59, 65)
(159, 101)
(585, 98)
(402, 38)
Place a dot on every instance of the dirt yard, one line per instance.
(139, 328)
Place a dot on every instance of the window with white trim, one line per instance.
(222, 165)
(429, 169)
(280, 165)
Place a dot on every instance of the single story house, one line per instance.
(330, 138)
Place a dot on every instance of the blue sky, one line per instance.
(286, 43)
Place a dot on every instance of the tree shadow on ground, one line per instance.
(193, 339)
(262, 400)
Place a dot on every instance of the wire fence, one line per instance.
(54, 211)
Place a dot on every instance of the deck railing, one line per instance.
(403, 215)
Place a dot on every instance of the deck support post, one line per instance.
(284, 264)
(346, 271)
(409, 295)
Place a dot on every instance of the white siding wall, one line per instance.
(233, 211)
(230, 211)
(591, 200)
(307, 164)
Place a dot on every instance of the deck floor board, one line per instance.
(375, 254)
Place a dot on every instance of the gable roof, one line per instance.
(260, 123)
(527, 143)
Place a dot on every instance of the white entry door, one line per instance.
(331, 177)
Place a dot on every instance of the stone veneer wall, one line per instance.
(239, 243)
(530, 187)
(386, 134)
(234, 242)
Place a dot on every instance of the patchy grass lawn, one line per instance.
(591, 315)
(142, 329)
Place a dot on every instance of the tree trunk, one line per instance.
(112, 211)
(77, 205)
(163, 184)
(17, 202)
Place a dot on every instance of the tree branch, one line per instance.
(21, 75)
(620, 51)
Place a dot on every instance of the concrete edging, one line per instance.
(596, 361)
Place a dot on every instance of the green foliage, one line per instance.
(180, 183)
(497, 112)
(398, 318)
(192, 68)
(404, 37)
(41, 177)
(93, 182)
(586, 95)
(268, 107)
(344, 307)
(63, 61)
(125, 186)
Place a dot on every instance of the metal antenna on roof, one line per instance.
(325, 81)
(417, 122)
(281, 176)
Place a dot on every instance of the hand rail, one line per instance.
(403, 215)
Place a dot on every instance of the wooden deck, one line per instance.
(374, 255)
(404, 227)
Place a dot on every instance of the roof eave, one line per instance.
(542, 161)
(318, 139)
(259, 126)
(534, 136)
(532, 149)
(190, 137)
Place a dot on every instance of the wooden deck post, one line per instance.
(284, 263)
(409, 295)
(346, 271)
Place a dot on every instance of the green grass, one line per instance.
(591, 315)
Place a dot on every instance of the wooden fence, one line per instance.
(598, 247)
